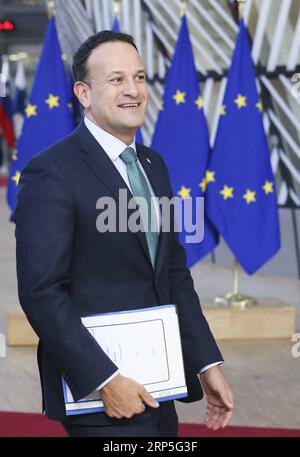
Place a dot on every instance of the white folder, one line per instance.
(145, 345)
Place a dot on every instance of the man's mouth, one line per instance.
(129, 105)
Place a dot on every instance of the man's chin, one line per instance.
(133, 126)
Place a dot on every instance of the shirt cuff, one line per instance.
(210, 366)
(105, 382)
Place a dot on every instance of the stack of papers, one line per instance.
(145, 345)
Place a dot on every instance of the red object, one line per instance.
(3, 181)
(6, 25)
(37, 425)
(28, 424)
(200, 430)
(6, 127)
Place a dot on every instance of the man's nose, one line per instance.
(131, 88)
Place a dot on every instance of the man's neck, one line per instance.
(126, 138)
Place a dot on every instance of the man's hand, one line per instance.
(219, 398)
(123, 398)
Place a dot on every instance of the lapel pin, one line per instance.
(148, 160)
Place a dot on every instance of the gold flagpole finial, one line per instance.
(241, 4)
(183, 8)
(117, 8)
(51, 8)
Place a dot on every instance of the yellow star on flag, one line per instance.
(241, 101)
(200, 102)
(179, 97)
(30, 110)
(268, 187)
(222, 110)
(161, 105)
(184, 192)
(227, 192)
(70, 105)
(249, 196)
(259, 106)
(52, 101)
(15, 155)
(203, 185)
(17, 177)
(210, 176)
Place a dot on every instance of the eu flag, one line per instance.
(241, 197)
(181, 136)
(48, 116)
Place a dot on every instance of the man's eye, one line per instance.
(141, 77)
(116, 80)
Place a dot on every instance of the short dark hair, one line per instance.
(79, 67)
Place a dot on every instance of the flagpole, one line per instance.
(51, 7)
(235, 277)
(235, 299)
(117, 8)
(183, 7)
(241, 5)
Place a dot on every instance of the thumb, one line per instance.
(148, 399)
(227, 399)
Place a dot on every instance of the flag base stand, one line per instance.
(270, 319)
(236, 300)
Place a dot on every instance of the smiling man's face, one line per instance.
(116, 95)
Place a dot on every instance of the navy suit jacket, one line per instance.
(67, 269)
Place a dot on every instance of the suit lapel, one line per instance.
(102, 166)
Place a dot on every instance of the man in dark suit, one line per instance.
(68, 268)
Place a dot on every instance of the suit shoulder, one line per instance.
(61, 150)
(58, 153)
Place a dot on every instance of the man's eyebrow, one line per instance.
(117, 72)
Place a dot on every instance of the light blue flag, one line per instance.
(20, 89)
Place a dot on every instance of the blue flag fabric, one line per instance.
(115, 26)
(181, 137)
(48, 117)
(241, 196)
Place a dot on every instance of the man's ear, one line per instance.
(81, 92)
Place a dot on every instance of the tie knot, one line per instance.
(128, 155)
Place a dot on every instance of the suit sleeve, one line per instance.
(45, 223)
(197, 340)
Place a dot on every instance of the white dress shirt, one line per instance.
(114, 147)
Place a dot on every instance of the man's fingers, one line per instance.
(216, 417)
(227, 399)
(141, 407)
(226, 418)
(113, 414)
(148, 399)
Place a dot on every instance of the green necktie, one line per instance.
(140, 188)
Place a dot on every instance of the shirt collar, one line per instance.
(111, 145)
